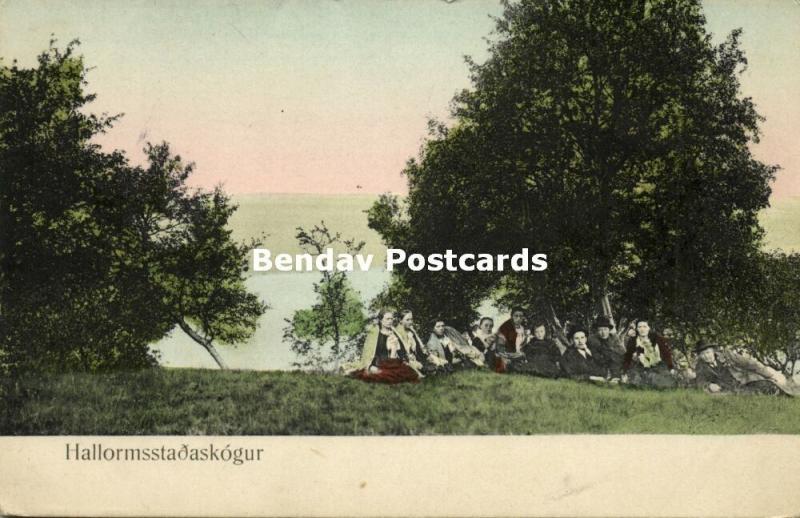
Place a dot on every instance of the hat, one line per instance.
(576, 329)
(702, 345)
(602, 321)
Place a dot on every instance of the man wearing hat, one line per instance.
(720, 369)
(607, 343)
(710, 373)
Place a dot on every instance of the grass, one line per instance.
(188, 401)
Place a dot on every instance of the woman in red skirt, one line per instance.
(385, 358)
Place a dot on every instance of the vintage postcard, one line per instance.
(395, 258)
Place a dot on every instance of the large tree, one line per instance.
(99, 258)
(612, 136)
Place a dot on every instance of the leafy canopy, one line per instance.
(100, 258)
(610, 135)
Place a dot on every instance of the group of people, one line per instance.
(394, 353)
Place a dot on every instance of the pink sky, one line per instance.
(331, 97)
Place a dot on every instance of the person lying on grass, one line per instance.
(384, 360)
(720, 370)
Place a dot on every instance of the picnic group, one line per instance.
(639, 356)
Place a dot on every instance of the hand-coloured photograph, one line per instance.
(398, 218)
(645, 152)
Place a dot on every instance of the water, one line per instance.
(265, 350)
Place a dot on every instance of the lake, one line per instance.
(265, 350)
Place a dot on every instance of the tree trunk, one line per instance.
(606, 304)
(206, 343)
(558, 332)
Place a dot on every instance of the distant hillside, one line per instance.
(279, 214)
(782, 223)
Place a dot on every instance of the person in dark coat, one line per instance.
(542, 355)
(605, 341)
(579, 362)
(710, 374)
(719, 370)
(648, 358)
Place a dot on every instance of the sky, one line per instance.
(331, 96)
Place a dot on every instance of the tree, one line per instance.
(186, 248)
(332, 331)
(57, 239)
(764, 318)
(100, 258)
(611, 136)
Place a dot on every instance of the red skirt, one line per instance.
(390, 371)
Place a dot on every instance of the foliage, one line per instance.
(58, 235)
(194, 401)
(100, 258)
(191, 260)
(764, 318)
(612, 137)
(332, 330)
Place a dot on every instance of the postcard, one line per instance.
(379, 258)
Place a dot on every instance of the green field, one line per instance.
(279, 214)
(190, 401)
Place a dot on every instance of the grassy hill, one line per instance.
(190, 401)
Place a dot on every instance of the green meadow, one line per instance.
(190, 401)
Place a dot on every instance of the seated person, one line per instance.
(486, 342)
(419, 357)
(579, 362)
(513, 331)
(451, 350)
(542, 355)
(463, 349)
(469, 334)
(648, 358)
(439, 344)
(719, 370)
(383, 359)
(605, 340)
